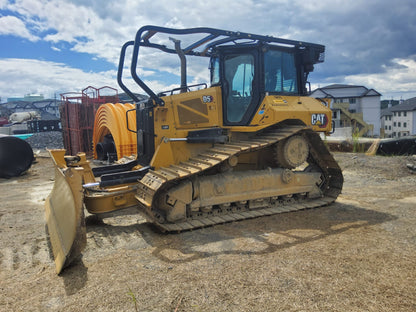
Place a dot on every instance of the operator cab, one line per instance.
(250, 73)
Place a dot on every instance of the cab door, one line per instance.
(240, 86)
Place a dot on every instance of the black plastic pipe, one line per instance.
(16, 156)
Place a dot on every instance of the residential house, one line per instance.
(400, 120)
(353, 106)
(386, 117)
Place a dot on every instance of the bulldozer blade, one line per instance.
(65, 215)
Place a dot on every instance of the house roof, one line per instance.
(386, 112)
(337, 86)
(347, 91)
(46, 103)
(407, 105)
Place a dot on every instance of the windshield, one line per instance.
(280, 72)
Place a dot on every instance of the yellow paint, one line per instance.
(206, 105)
(64, 212)
(163, 156)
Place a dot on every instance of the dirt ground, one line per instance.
(358, 254)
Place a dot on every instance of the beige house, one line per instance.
(353, 106)
(400, 120)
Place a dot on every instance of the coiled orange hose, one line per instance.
(111, 119)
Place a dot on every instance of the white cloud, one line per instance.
(398, 80)
(11, 25)
(52, 77)
(359, 35)
(78, 24)
(49, 77)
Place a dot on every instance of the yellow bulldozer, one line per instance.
(245, 145)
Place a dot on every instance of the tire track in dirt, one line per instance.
(101, 241)
(28, 255)
(107, 236)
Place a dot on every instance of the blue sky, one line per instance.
(55, 46)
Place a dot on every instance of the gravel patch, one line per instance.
(46, 140)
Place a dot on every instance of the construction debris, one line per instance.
(412, 164)
(20, 117)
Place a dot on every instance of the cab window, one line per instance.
(239, 75)
(280, 72)
(215, 71)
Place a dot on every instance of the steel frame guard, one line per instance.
(120, 70)
(142, 39)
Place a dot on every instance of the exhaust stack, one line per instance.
(183, 64)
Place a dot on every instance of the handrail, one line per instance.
(163, 93)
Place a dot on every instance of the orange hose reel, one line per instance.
(110, 119)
